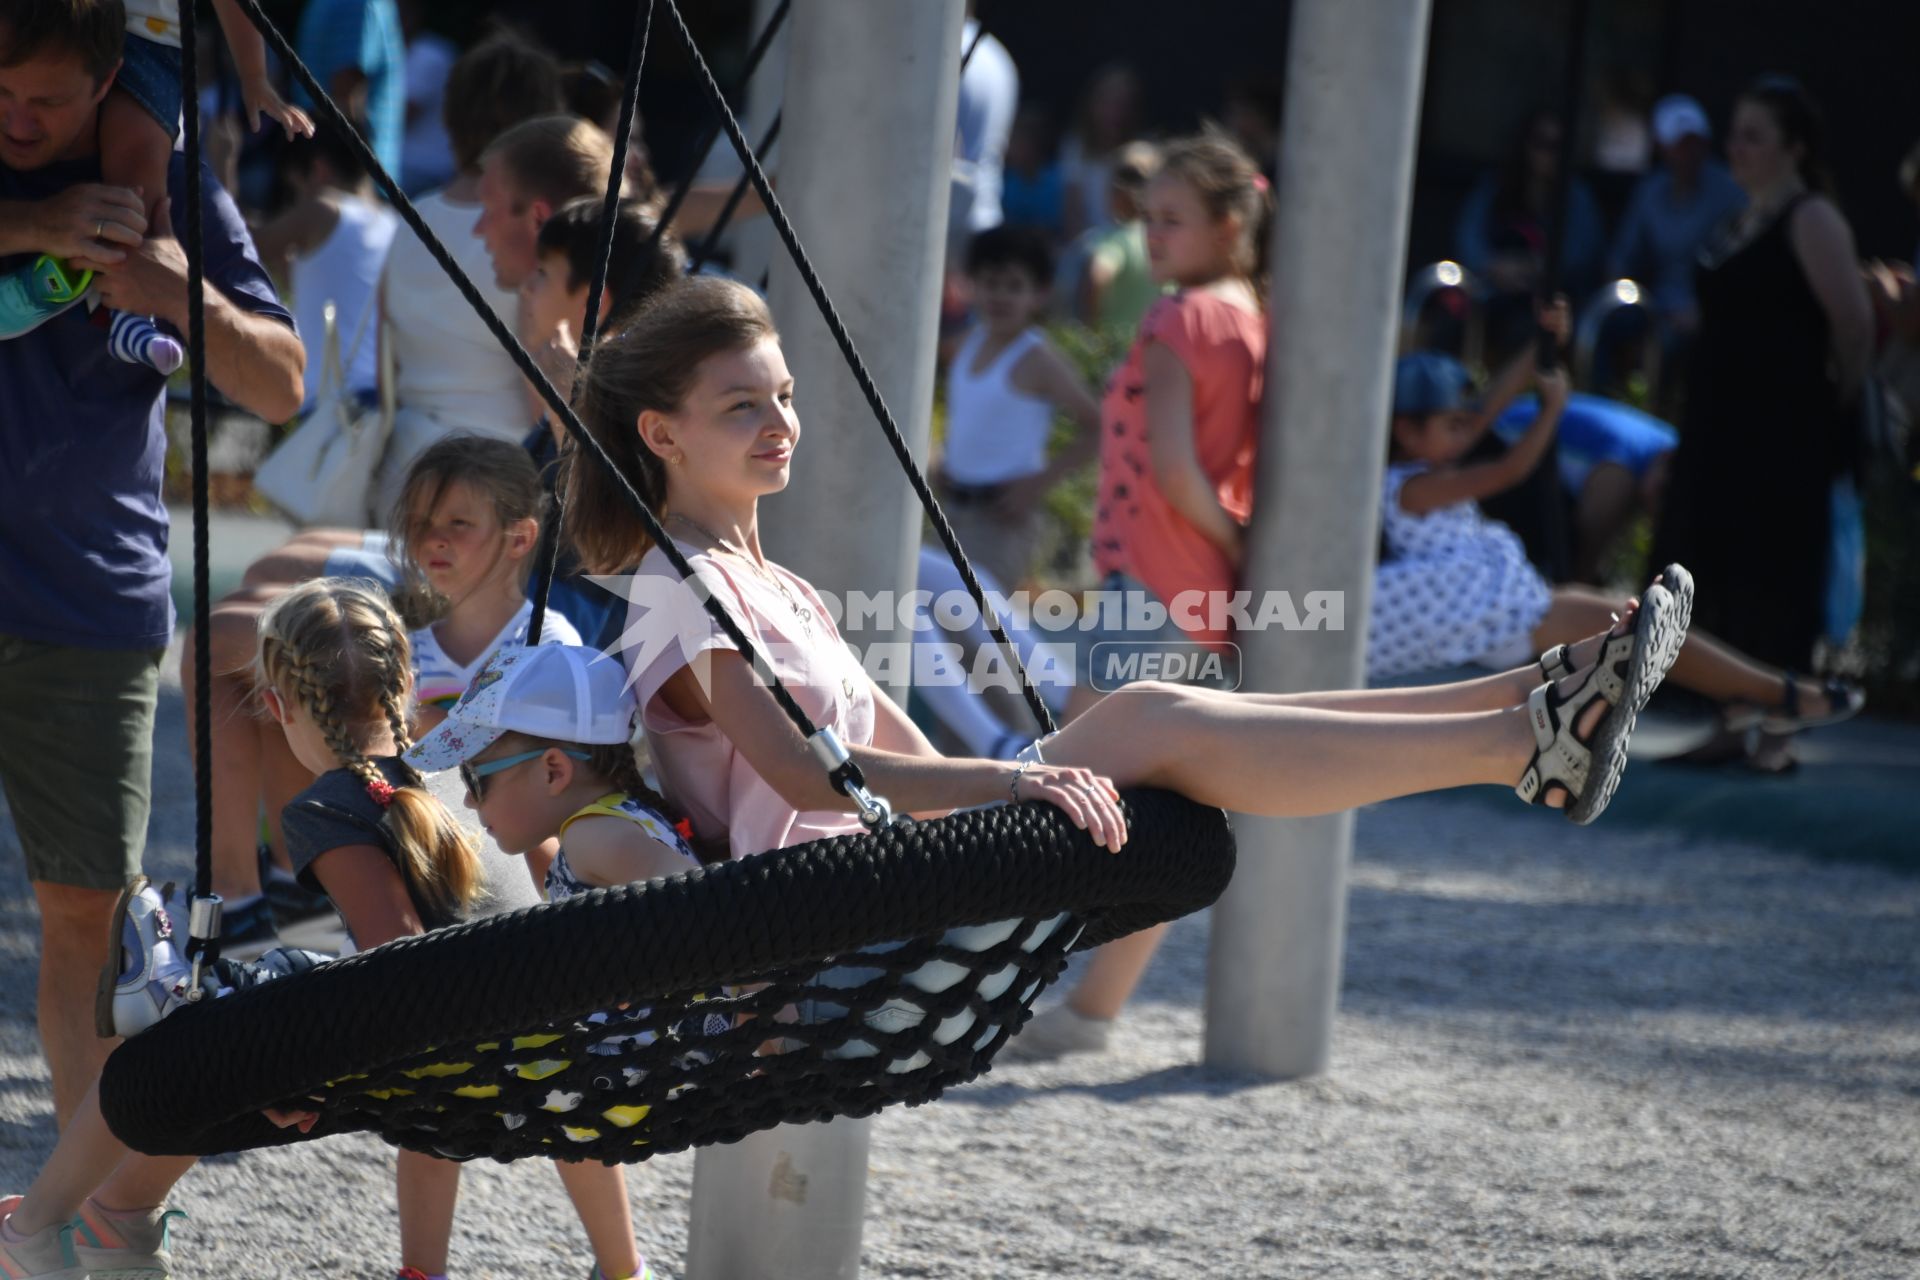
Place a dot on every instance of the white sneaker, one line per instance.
(123, 1246)
(45, 1255)
(145, 977)
(1056, 1032)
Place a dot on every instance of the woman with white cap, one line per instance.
(1672, 212)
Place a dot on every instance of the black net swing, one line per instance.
(828, 979)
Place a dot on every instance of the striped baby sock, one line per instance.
(138, 340)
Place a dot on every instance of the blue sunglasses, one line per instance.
(471, 773)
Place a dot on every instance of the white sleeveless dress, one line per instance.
(1455, 589)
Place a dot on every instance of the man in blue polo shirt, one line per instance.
(85, 611)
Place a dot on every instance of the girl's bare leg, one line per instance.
(1113, 973)
(1263, 754)
(238, 739)
(299, 559)
(1607, 502)
(428, 1188)
(1283, 761)
(134, 152)
(1482, 693)
(142, 1182)
(599, 1195)
(89, 1156)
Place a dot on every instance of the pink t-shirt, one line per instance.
(699, 766)
(1135, 529)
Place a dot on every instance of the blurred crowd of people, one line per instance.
(1056, 263)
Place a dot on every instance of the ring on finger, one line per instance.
(100, 229)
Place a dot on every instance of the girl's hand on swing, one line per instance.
(1093, 802)
(301, 1120)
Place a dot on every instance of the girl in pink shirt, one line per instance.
(694, 404)
(1180, 416)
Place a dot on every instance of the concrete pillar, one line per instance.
(783, 1202)
(866, 151)
(1339, 247)
(872, 93)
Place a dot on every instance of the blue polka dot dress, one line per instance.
(1455, 589)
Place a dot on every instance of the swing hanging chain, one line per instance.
(203, 933)
(546, 553)
(330, 113)
(868, 388)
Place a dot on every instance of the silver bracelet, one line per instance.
(1013, 784)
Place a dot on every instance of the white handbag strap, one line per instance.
(367, 309)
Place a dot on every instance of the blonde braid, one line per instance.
(396, 688)
(339, 651)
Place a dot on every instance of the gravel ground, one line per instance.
(1614, 1054)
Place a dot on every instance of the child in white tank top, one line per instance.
(1005, 386)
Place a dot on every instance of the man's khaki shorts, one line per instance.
(76, 757)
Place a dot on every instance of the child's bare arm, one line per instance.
(610, 851)
(1432, 490)
(1518, 375)
(256, 86)
(1045, 374)
(366, 888)
(1172, 453)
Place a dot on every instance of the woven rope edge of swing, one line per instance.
(194, 1083)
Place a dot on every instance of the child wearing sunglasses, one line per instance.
(543, 741)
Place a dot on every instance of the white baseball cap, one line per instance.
(1677, 115)
(565, 692)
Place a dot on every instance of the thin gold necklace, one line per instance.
(800, 611)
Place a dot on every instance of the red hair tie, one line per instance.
(382, 792)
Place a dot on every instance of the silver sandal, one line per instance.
(1586, 772)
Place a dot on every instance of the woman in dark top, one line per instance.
(1783, 344)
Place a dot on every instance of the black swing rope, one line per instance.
(680, 193)
(868, 388)
(711, 241)
(546, 552)
(203, 944)
(842, 770)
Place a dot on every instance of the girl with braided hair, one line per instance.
(335, 672)
(456, 562)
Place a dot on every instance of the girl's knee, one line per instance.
(1156, 702)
